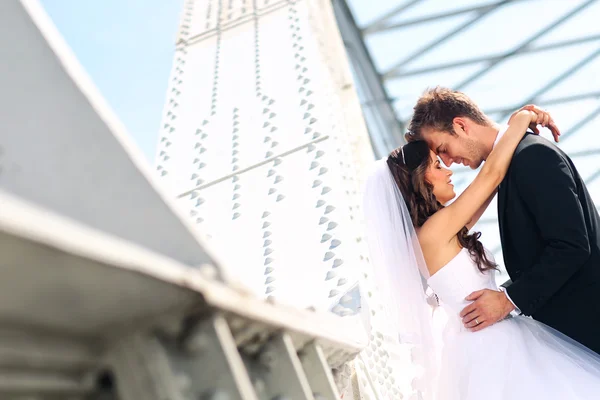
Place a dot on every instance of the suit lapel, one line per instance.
(502, 194)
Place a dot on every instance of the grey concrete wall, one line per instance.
(61, 146)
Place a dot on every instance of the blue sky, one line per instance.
(127, 47)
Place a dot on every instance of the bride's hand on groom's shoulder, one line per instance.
(487, 308)
(543, 118)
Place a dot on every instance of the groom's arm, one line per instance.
(547, 186)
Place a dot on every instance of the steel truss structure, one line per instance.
(502, 53)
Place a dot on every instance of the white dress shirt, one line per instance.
(501, 133)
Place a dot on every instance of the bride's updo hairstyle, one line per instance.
(408, 165)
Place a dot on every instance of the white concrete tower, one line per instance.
(263, 139)
(264, 143)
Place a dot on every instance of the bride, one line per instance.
(417, 246)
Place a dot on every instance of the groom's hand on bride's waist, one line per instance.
(487, 308)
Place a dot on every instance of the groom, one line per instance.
(549, 224)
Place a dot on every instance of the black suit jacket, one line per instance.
(549, 231)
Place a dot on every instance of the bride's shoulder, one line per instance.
(429, 234)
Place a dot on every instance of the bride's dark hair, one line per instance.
(408, 165)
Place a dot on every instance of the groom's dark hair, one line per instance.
(438, 107)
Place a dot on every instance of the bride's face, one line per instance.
(439, 177)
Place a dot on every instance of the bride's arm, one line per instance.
(447, 222)
(481, 210)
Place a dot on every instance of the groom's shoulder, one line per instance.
(536, 144)
(535, 148)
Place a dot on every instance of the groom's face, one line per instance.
(457, 148)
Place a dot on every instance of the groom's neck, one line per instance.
(488, 135)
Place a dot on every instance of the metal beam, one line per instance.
(424, 50)
(251, 167)
(318, 372)
(226, 26)
(548, 28)
(492, 58)
(385, 131)
(581, 123)
(548, 102)
(592, 178)
(585, 153)
(382, 26)
(582, 63)
(283, 375)
(374, 26)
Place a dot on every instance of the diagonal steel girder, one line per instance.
(461, 27)
(382, 25)
(559, 79)
(385, 131)
(592, 178)
(521, 47)
(585, 153)
(380, 22)
(581, 123)
(495, 57)
(594, 95)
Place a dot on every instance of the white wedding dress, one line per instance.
(515, 359)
